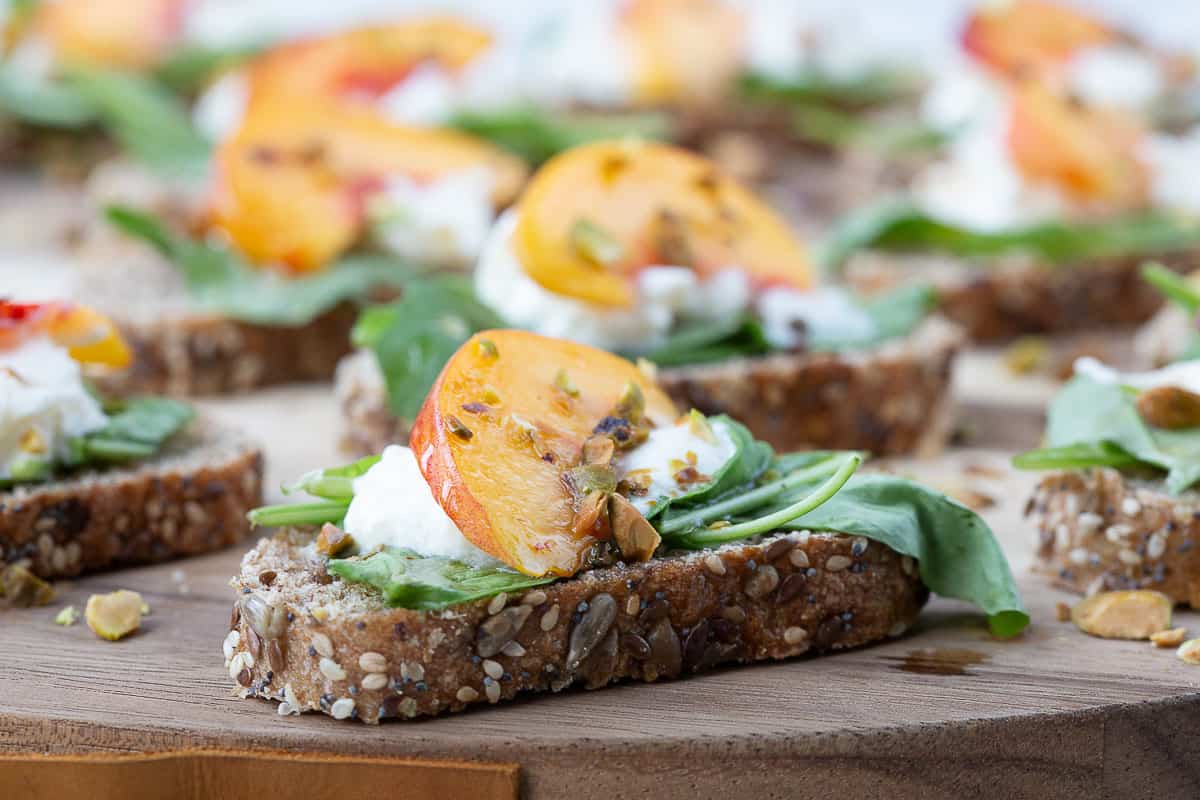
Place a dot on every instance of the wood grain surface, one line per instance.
(945, 712)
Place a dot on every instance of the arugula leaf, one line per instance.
(1097, 424)
(428, 583)
(149, 122)
(1173, 286)
(221, 282)
(901, 226)
(815, 88)
(537, 134)
(47, 103)
(136, 431)
(189, 68)
(959, 556)
(700, 343)
(414, 337)
(837, 128)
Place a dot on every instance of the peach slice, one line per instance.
(292, 184)
(129, 34)
(90, 337)
(1089, 154)
(1027, 35)
(505, 420)
(650, 204)
(683, 50)
(365, 62)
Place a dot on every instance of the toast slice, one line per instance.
(1018, 297)
(1100, 529)
(890, 400)
(189, 499)
(315, 643)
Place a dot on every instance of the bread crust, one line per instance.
(190, 499)
(1003, 301)
(312, 641)
(1100, 530)
(891, 400)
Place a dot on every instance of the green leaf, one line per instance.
(408, 580)
(414, 337)
(138, 430)
(538, 134)
(900, 226)
(1102, 419)
(47, 103)
(812, 88)
(887, 136)
(299, 514)
(956, 550)
(701, 343)
(220, 282)
(334, 483)
(1173, 286)
(151, 124)
(188, 69)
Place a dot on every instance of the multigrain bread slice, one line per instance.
(315, 643)
(192, 498)
(891, 400)
(1017, 297)
(1099, 529)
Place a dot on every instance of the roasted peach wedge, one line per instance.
(90, 337)
(1017, 37)
(594, 216)
(683, 50)
(365, 62)
(1088, 154)
(128, 34)
(503, 431)
(292, 184)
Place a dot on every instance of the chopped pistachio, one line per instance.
(21, 588)
(66, 616)
(636, 538)
(332, 540)
(456, 426)
(591, 516)
(647, 368)
(31, 441)
(699, 427)
(599, 450)
(29, 468)
(587, 478)
(594, 244)
(487, 348)
(491, 396)
(114, 615)
(562, 382)
(1027, 355)
(631, 404)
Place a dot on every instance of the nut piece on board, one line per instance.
(115, 615)
(1123, 615)
(1189, 651)
(1171, 638)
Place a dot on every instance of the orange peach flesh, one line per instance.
(1031, 35)
(683, 50)
(128, 34)
(500, 485)
(292, 183)
(90, 337)
(626, 189)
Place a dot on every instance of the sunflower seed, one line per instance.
(591, 629)
(342, 708)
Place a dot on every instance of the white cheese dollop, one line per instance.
(1174, 163)
(1116, 76)
(394, 506)
(220, 109)
(443, 220)
(1184, 374)
(578, 55)
(660, 456)
(667, 296)
(43, 404)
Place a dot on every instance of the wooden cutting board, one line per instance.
(945, 712)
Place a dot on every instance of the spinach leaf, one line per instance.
(414, 337)
(814, 88)
(1173, 286)
(901, 226)
(750, 460)
(537, 134)
(149, 122)
(189, 68)
(427, 583)
(957, 552)
(138, 430)
(888, 136)
(221, 282)
(43, 102)
(1101, 421)
(734, 337)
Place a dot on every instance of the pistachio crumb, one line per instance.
(66, 616)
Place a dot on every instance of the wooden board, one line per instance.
(945, 712)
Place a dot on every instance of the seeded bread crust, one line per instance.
(190, 499)
(892, 400)
(1003, 301)
(1100, 530)
(315, 643)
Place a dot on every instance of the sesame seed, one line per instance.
(798, 558)
(714, 564)
(1089, 523)
(837, 563)
(498, 603)
(466, 694)
(534, 598)
(513, 650)
(1129, 557)
(331, 669)
(549, 619)
(1156, 546)
(795, 635)
(342, 708)
(632, 604)
(1130, 507)
(1078, 556)
(493, 668)
(374, 681)
(322, 644)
